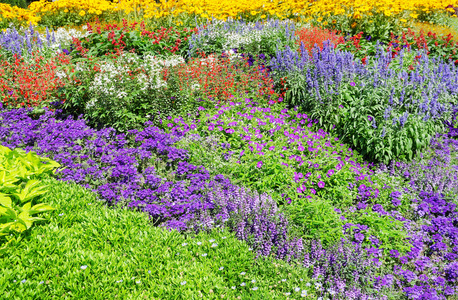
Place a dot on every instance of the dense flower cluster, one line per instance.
(390, 99)
(27, 42)
(30, 82)
(19, 15)
(143, 170)
(247, 37)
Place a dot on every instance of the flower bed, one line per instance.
(342, 165)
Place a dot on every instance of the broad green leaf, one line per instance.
(41, 207)
(5, 200)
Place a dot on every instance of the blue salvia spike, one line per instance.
(48, 37)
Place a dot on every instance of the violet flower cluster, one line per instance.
(430, 269)
(27, 42)
(122, 168)
(381, 109)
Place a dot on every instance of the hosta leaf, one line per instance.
(5, 200)
(41, 207)
(8, 212)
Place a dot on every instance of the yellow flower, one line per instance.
(263, 16)
(66, 11)
(253, 13)
(82, 13)
(403, 20)
(414, 15)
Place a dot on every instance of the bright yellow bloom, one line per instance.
(82, 13)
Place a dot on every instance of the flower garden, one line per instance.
(229, 150)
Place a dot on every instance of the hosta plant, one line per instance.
(20, 187)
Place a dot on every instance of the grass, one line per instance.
(89, 251)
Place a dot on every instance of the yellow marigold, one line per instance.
(82, 13)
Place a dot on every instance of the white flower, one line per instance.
(233, 287)
(221, 268)
(205, 254)
(138, 282)
(183, 282)
(243, 273)
(184, 244)
(211, 241)
(214, 245)
(119, 281)
(297, 289)
(283, 280)
(255, 288)
(243, 284)
(83, 267)
(253, 281)
(199, 243)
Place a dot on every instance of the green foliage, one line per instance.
(90, 251)
(60, 18)
(20, 187)
(315, 217)
(162, 42)
(218, 37)
(377, 25)
(369, 118)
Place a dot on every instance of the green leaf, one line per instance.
(5, 200)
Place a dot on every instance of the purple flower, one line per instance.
(352, 83)
(321, 184)
(260, 163)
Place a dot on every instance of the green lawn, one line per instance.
(89, 251)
